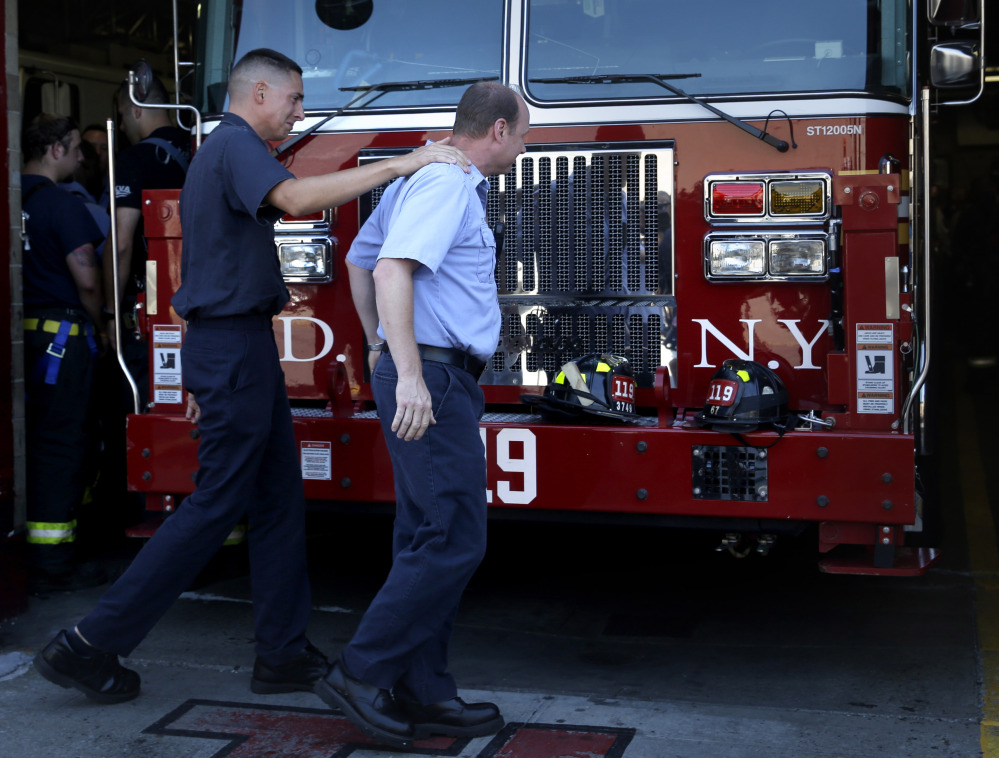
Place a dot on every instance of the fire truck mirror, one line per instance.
(952, 12)
(954, 64)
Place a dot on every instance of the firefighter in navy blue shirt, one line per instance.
(248, 459)
(62, 304)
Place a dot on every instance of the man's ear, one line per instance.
(500, 129)
(259, 88)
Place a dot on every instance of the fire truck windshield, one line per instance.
(345, 47)
(738, 48)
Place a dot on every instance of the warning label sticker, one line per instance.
(166, 364)
(875, 369)
(317, 460)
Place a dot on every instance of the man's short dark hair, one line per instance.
(482, 105)
(270, 59)
(45, 130)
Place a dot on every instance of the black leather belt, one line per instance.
(451, 356)
(247, 321)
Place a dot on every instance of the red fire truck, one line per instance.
(703, 181)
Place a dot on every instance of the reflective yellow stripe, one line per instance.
(45, 533)
(236, 536)
(34, 324)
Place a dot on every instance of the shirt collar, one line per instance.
(474, 175)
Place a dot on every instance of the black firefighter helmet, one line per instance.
(598, 384)
(745, 396)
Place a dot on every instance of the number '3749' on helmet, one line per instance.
(598, 384)
(744, 396)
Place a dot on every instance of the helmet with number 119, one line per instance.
(598, 384)
(744, 396)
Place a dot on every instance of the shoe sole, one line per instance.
(334, 699)
(45, 669)
(444, 730)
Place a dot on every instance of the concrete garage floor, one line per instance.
(594, 640)
(609, 641)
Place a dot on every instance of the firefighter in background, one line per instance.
(62, 305)
(157, 159)
(248, 459)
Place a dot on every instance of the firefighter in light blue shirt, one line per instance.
(421, 274)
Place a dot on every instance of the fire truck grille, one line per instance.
(584, 260)
(728, 472)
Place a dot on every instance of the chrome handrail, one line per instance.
(116, 286)
(925, 278)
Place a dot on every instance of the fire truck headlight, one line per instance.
(306, 260)
(737, 258)
(797, 257)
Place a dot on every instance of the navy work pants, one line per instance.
(439, 537)
(248, 466)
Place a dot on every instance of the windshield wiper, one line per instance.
(659, 79)
(381, 88)
(423, 84)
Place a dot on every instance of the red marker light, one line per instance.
(737, 199)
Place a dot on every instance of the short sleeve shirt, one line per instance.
(58, 223)
(229, 266)
(148, 166)
(437, 217)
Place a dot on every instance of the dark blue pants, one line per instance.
(439, 537)
(248, 467)
(60, 439)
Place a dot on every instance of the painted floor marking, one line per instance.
(250, 730)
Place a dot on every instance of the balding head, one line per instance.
(481, 105)
(490, 125)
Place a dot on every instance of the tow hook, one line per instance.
(737, 547)
(732, 542)
(765, 544)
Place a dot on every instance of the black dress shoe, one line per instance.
(451, 718)
(98, 676)
(369, 708)
(300, 674)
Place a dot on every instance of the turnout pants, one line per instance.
(59, 431)
(248, 466)
(439, 537)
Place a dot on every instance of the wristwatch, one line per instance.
(377, 347)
